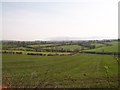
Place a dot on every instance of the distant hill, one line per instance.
(74, 38)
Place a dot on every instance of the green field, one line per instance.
(83, 71)
(8, 46)
(42, 45)
(70, 47)
(60, 64)
(112, 48)
(99, 45)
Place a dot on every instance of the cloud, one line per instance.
(31, 21)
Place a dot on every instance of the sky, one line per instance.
(95, 19)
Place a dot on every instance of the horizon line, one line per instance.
(66, 40)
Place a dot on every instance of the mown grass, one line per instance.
(70, 47)
(83, 71)
(66, 47)
(42, 45)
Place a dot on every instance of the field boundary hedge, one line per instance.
(37, 54)
(102, 53)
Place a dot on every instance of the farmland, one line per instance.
(112, 48)
(60, 64)
(71, 71)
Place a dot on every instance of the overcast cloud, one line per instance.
(42, 20)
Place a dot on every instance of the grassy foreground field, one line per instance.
(82, 71)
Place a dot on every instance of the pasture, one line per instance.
(112, 48)
(79, 71)
(60, 64)
(70, 47)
